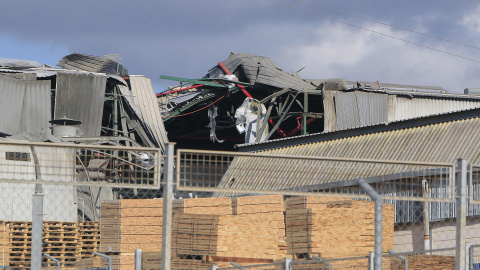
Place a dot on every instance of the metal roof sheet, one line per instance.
(442, 142)
(146, 102)
(261, 71)
(80, 96)
(77, 61)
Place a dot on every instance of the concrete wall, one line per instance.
(409, 237)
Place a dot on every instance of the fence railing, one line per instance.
(223, 173)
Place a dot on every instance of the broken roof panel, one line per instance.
(260, 71)
(146, 102)
(77, 61)
(81, 97)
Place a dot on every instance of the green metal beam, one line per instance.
(195, 81)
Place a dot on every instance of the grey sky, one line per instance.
(186, 38)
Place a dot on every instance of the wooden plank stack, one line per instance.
(255, 232)
(271, 208)
(333, 229)
(212, 206)
(126, 225)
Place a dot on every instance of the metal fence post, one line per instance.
(107, 257)
(138, 259)
(37, 228)
(400, 257)
(288, 262)
(53, 259)
(167, 206)
(461, 213)
(378, 222)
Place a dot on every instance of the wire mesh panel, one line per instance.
(224, 173)
(474, 185)
(76, 164)
(65, 186)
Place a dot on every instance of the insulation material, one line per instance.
(249, 119)
(212, 114)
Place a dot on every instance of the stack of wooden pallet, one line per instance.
(89, 238)
(60, 241)
(333, 229)
(126, 225)
(20, 244)
(4, 244)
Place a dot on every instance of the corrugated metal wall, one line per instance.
(80, 96)
(24, 106)
(354, 109)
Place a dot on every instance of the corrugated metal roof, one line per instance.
(81, 97)
(146, 102)
(441, 142)
(77, 61)
(24, 106)
(260, 71)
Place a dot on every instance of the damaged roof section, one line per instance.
(282, 105)
(260, 72)
(109, 64)
(90, 91)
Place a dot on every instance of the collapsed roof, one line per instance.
(96, 91)
(265, 102)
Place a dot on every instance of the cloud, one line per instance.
(471, 21)
(341, 51)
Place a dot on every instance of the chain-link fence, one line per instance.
(105, 207)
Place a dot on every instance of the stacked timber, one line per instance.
(20, 239)
(126, 225)
(305, 202)
(246, 236)
(271, 209)
(60, 241)
(333, 229)
(4, 244)
(212, 206)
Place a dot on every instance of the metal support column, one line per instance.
(37, 228)
(138, 259)
(378, 221)
(461, 213)
(167, 206)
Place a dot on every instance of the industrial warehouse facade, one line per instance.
(326, 174)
